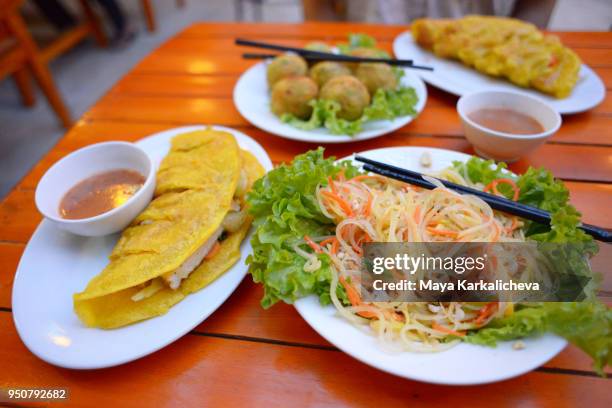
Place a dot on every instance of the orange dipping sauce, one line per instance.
(100, 193)
(506, 121)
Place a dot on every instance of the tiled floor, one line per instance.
(87, 72)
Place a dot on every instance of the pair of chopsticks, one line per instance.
(312, 55)
(496, 202)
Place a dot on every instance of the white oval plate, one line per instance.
(252, 100)
(463, 364)
(57, 264)
(456, 78)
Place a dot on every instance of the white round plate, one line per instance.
(456, 78)
(463, 364)
(57, 264)
(252, 100)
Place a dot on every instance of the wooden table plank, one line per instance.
(437, 119)
(222, 86)
(306, 31)
(563, 160)
(331, 31)
(268, 374)
(585, 39)
(606, 76)
(11, 253)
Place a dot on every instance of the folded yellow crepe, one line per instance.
(503, 47)
(188, 236)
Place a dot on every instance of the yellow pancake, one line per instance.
(115, 308)
(503, 47)
(198, 160)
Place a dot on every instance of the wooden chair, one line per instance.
(19, 55)
(149, 12)
(88, 26)
(325, 10)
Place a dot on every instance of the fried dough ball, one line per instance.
(350, 93)
(318, 46)
(292, 94)
(286, 66)
(326, 70)
(376, 76)
(364, 53)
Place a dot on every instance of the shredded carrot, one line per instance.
(369, 177)
(486, 312)
(443, 329)
(335, 245)
(513, 226)
(356, 248)
(417, 214)
(354, 298)
(497, 233)
(492, 186)
(445, 233)
(398, 317)
(368, 207)
(367, 315)
(213, 251)
(352, 294)
(356, 245)
(315, 247)
(329, 240)
(365, 237)
(332, 185)
(341, 202)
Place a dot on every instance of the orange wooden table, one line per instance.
(243, 354)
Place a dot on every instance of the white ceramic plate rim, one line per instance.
(112, 347)
(464, 364)
(251, 98)
(589, 92)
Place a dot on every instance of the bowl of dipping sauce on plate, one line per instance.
(504, 125)
(97, 190)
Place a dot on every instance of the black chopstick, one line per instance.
(457, 187)
(343, 58)
(276, 47)
(327, 56)
(496, 202)
(297, 50)
(250, 55)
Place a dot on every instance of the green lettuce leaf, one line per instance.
(285, 209)
(588, 325)
(324, 113)
(386, 104)
(389, 104)
(538, 188)
(482, 171)
(360, 40)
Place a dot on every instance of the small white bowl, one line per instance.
(84, 163)
(506, 146)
